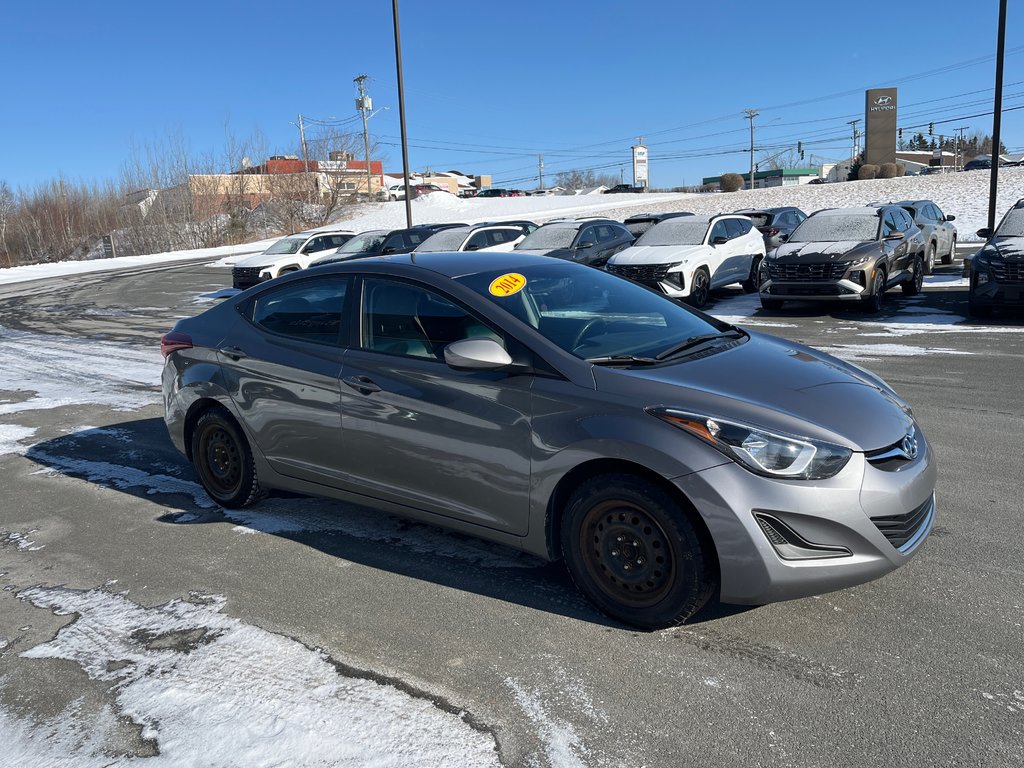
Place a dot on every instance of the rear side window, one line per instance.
(606, 233)
(308, 310)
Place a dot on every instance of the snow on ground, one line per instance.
(54, 371)
(208, 689)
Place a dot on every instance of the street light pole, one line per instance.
(751, 114)
(997, 117)
(401, 115)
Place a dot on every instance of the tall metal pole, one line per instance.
(364, 106)
(997, 117)
(751, 114)
(540, 171)
(401, 115)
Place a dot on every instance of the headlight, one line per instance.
(985, 257)
(762, 452)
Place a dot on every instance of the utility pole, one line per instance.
(751, 114)
(540, 171)
(997, 116)
(854, 124)
(302, 142)
(364, 104)
(958, 146)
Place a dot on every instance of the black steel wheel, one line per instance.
(223, 460)
(635, 554)
(700, 290)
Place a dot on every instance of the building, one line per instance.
(779, 177)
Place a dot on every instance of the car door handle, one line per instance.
(362, 384)
(235, 353)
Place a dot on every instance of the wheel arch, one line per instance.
(581, 473)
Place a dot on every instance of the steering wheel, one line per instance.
(594, 327)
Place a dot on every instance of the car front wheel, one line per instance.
(700, 290)
(635, 554)
(224, 461)
(872, 303)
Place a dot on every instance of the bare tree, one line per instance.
(7, 204)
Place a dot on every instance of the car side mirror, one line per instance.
(388, 251)
(783, 238)
(984, 233)
(585, 244)
(720, 240)
(894, 236)
(950, 217)
(476, 355)
(472, 247)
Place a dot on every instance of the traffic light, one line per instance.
(899, 132)
(931, 129)
(800, 147)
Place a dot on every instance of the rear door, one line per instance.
(282, 372)
(454, 443)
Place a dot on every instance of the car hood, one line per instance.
(796, 252)
(261, 259)
(775, 384)
(657, 254)
(1009, 247)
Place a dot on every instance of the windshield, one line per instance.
(549, 237)
(835, 229)
(367, 241)
(445, 240)
(675, 232)
(288, 245)
(590, 313)
(1012, 225)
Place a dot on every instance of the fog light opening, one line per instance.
(789, 545)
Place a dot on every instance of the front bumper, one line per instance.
(823, 290)
(988, 290)
(246, 277)
(868, 520)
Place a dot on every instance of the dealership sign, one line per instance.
(880, 126)
(639, 166)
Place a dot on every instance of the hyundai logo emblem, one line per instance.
(909, 446)
(882, 100)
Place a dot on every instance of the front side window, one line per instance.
(308, 310)
(405, 319)
(588, 235)
(477, 241)
(719, 230)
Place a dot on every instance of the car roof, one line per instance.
(577, 223)
(448, 264)
(641, 217)
(780, 209)
(853, 211)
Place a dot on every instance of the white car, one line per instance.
(478, 238)
(288, 254)
(688, 256)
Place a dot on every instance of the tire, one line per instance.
(223, 460)
(750, 284)
(635, 554)
(948, 258)
(872, 305)
(773, 304)
(912, 287)
(929, 262)
(700, 291)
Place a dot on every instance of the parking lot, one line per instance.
(459, 647)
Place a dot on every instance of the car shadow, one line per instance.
(137, 459)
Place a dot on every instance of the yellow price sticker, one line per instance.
(508, 284)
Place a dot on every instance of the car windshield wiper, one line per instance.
(695, 341)
(622, 360)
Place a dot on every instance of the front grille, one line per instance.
(899, 529)
(649, 274)
(245, 277)
(1008, 271)
(807, 272)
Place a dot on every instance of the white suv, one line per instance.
(474, 238)
(288, 254)
(687, 256)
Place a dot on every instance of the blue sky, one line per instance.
(490, 85)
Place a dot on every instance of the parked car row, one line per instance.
(996, 271)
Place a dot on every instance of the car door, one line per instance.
(735, 265)
(718, 254)
(282, 374)
(455, 443)
(943, 229)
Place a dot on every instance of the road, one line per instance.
(138, 619)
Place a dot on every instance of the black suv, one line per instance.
(618, 188)
(590, 241)
(382, 242)
(774, 223)
(641, 222)
(997, 270)
(845, 254)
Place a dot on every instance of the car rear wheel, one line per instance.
(635, 554)
(929, 262)
(750, 284)
(872, 304)
(912, 286)
(948, 258)
(701, 288)
(224, 461)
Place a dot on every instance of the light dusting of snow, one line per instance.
(1011, 702)
(209, 689)
(854, 352)
(563, 746)
(11, 437)
(60, 370)
(21, 541)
